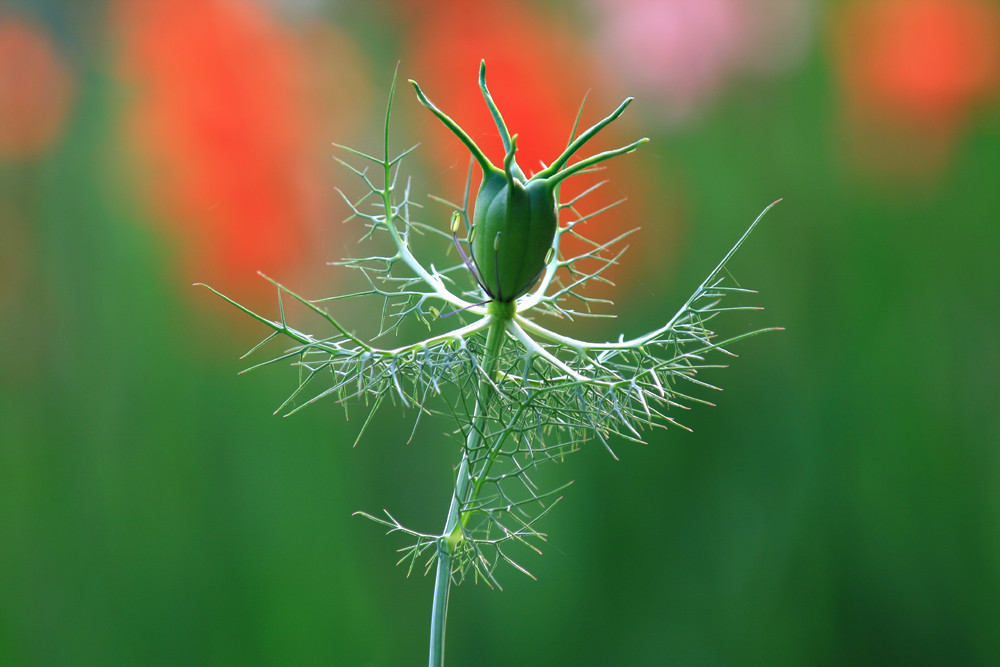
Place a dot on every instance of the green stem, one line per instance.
(452, 535)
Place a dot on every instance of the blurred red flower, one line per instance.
(538, 71)
(35, 91)
(915, 70)
(221, 122)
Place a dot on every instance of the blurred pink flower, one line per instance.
(683, 53)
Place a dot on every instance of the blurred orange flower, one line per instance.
(35, 91)
(222, 121)
(915, 70)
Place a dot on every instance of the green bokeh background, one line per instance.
(840, 506)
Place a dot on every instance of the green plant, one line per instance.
(520, 393)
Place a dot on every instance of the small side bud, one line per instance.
(496, 242)
(472, 234)
(456, 222)
(550, 255)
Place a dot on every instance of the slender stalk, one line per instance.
(452, 535)
(442, 578)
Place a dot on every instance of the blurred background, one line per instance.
(841, 505)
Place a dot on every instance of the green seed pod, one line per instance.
(517, 222)
(515, 217)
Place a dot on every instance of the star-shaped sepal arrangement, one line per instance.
(515, 217)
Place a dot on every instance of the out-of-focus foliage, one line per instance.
(839, 507)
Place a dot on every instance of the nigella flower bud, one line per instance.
(515, 217)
